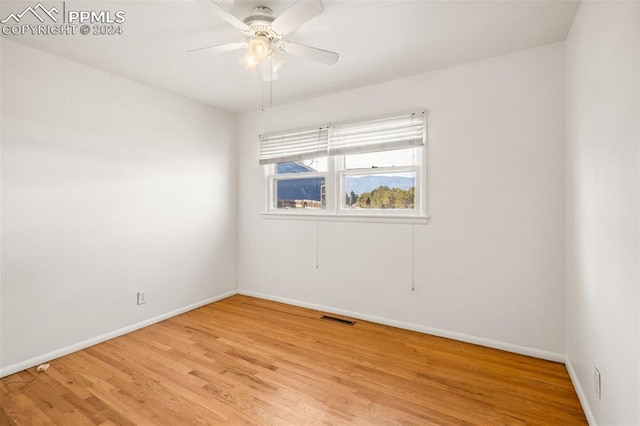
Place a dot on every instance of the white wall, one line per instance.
(108, 187)
(603, 213)
(490, 263)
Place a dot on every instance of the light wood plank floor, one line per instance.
(250, 361)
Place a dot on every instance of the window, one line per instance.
(380, 180)
(372, 168)
(299, 184)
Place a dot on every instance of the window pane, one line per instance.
(399, 157)
(380, 191)
(300, 193)
(303, 166)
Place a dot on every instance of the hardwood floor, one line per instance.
(250, 361)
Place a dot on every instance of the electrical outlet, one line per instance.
(596, 381)
(142, 297)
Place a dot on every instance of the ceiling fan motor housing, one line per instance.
(260, 19)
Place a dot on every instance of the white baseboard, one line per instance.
(107, 336)
(509, 347)
(581, 395)
(523, 350)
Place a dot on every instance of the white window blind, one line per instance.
(293, 146)
(392, 132)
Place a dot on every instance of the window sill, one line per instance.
(333, 217)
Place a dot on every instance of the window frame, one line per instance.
(334, 183)
(334, 178)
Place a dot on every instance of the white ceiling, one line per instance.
(377, 41)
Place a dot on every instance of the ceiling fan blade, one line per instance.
(222, 12)
(308, 52)
(296, 15)
(218, 49)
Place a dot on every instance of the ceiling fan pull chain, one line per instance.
(270, 84)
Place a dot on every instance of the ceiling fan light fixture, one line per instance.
(260, 47)
(276, 61)
(249, 62)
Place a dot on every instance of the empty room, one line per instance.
(280, 212)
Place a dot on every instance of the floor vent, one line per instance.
(338, 320)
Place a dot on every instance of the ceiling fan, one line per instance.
(264, 37)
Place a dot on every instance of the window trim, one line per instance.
(334, 217)
(334, 186)
(333, 179)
